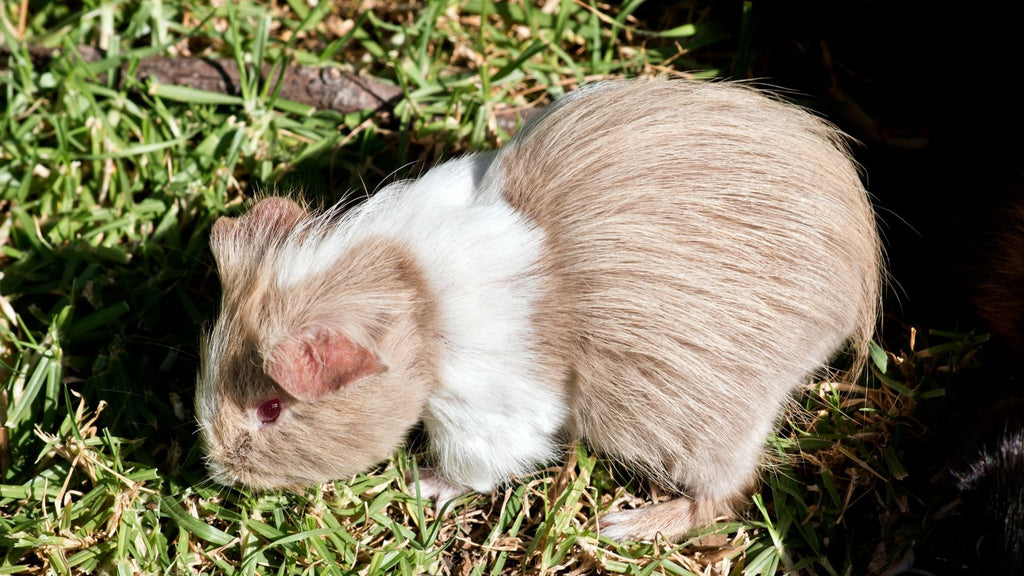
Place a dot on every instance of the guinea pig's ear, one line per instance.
(319, 362)
(248, 235)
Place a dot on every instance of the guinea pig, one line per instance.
(652, 267)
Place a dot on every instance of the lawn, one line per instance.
(110, 182)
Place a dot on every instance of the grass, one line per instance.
(108, 188)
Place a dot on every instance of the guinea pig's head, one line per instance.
(309, 379)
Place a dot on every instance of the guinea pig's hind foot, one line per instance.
(670, 520)
(434, 487)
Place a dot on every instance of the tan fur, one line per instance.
(705, 250)
(709, 248)
(670, 520)
(256, 315)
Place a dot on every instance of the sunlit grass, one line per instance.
(108, 187)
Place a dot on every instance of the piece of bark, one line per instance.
(324, 88)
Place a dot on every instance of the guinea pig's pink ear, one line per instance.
(320, 362)
(268, 220)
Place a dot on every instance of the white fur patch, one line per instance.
(492, 418)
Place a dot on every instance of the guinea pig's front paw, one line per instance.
(434, 487)
(670, 520)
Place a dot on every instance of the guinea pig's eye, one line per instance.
(269, 411)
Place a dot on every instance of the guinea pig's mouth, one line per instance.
(256, 481)
(221, 475)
